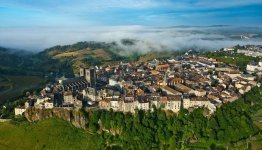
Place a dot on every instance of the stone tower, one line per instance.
(90, 75)
(82, 72)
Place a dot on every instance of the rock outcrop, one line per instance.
(76, 117)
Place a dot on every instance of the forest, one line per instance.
(164, 130)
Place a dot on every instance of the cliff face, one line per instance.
(77, 118)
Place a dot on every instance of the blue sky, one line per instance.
(74, 13)
(38, 24)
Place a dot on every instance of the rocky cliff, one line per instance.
(76, 117)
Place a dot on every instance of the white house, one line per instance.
(173, 105)
(19, 110)
(200, 92)
(41, 100)
(115, 81)
(129, 106)
(49, 105)
(116, 105)
(186, 103)
(144, 105)
(252, 67)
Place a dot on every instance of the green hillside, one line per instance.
(17, 74)
(13, 86)
(46, 134)
(69, 58)
(13, 62)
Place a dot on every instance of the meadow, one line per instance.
(46, 134)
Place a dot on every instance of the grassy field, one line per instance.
(46, 134)
(84, 57)
(13, 86)
(98, 53)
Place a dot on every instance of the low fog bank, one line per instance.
(147, 38)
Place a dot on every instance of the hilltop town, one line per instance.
(185, 82)
(131, 74)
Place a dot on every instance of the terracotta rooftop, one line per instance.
(154, 72)
(163, 66)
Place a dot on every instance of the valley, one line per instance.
(13, 87)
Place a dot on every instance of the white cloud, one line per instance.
(37, 39)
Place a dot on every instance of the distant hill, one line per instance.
(66, 59)
(17, 74)
(78, 54)
(8, 59)
(12, 61)
(93, 53)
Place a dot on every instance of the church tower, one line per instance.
(90, 75)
